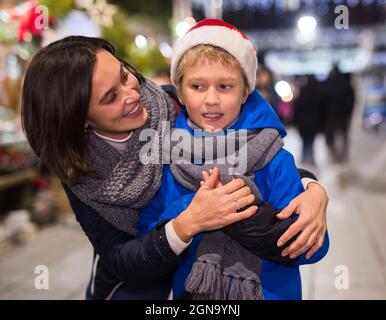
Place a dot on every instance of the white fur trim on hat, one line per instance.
(223, 37)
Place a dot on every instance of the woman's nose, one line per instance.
(130, 94)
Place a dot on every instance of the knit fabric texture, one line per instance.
(225, 270)
(124, 184)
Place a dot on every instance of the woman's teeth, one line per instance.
(132, 111)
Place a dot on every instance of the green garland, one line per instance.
(57, 8)
(149, 61)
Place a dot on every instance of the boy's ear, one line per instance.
(246, 94)
(180, 95)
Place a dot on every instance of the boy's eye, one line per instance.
(226, 86)
(197, 86)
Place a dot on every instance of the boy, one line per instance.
(214, 68)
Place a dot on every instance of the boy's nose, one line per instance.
(212, 97)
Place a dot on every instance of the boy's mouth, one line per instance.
(212, 116)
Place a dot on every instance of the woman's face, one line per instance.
(115, 106)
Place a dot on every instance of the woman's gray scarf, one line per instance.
(223, 268)
(124, 184)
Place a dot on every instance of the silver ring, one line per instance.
(237, 205)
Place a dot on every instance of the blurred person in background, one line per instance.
(308, 117)
(265, 86)
(338, 101)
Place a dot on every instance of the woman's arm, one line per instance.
(286, 191)
(149, 257)
(130, 260)
(260, 233)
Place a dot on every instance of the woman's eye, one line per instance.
(124, 77)
(111, 98)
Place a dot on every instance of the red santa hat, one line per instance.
(221, 34)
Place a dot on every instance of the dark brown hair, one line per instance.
(55, 101)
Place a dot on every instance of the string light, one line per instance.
(283, 5)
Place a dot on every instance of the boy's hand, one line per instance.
(311, 205)
(207, 177)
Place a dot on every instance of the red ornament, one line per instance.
(31, 20)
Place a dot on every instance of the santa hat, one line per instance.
(221, 34)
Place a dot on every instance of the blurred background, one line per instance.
(322, 66)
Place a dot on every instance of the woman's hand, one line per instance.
(214, 208)
(311, 225)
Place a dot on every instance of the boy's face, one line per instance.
(212, 93)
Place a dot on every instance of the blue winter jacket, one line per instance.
(278, 182)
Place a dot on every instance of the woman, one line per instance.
(83, 111)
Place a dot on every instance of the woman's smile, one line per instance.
(135, 111)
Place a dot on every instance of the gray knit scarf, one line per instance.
(223, 269)
(124, 184)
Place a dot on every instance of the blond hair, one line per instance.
(210, 53)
